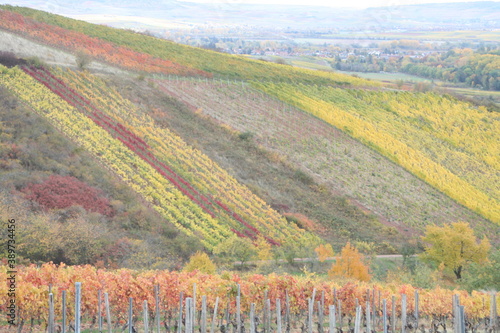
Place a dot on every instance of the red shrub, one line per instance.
(65, 191)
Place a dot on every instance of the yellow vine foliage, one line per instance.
(365, 116)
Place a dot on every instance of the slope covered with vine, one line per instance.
(219, 64)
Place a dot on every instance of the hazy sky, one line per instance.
(334, 3)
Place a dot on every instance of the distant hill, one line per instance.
(471, 15)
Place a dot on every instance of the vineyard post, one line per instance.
(416, 308)
(63, 328)
(384, 314)
(214, 318)
(320, 317)
(265, 312)
(238, 310)
(339, 306)
(278, 315)
(227, 314)
(403, 313)
(204, 314)
(99, 314)
(78, 298)
(252, 318)
(51, 313)
(130, 313)
(268, 315)
(357, 321)
(157, 310)
(461, 311)
(455, 304)
(493, 312)
(287, 312)
(179, 324)
(310, 315)
(108, 312)
(145, 316)
(331, 317)
(368, 318)
(238, 314)
(393, 315)
(189, 315)
(374, 310)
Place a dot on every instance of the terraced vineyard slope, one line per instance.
(181, 183)
(451, 145)
(334, 158)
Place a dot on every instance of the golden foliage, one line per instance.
(453, 246)
(324, 252)
(200, 261)
(350, 265)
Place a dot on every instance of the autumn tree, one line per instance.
(324, 252)
(454, 246)
(350, 265)
(200, 261)
(236, 249)
(264, 249)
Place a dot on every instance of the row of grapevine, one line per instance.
(230, 200)
(234, 294)
(333, 106)
(139, 175)
(338, 161)
(92, 46)
(218, 201)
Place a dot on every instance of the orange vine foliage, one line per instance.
(33, 288)
(92, 46)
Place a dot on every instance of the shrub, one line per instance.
(58, 192)
(200, 261)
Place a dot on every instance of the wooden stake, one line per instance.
(99, 309)
(310, 315)
(331, 317)
(145, 316)
(393, 315)
(357, 321)
(416, 308)
(78, 300)
(252, 318)
(157, 307)
(384, 314)
(108, 312)
(50, 327)
(189, 315)
(130, 314)
(320, 317)
(63, 328)
(268, 315)
(238, 314)
(368, 318)
(278, 316)
(403, 313)
(204, 314)
(214, 318)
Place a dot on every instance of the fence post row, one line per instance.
(334, 321)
